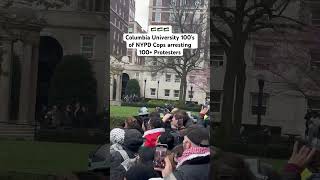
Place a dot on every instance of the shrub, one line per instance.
(133, 87)
(73, 80)
(160, 103)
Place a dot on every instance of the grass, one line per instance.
(128, 111)
(123, 111)
(43, 157)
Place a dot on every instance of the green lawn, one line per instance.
(128, 111)
(43, 157)
(123, 111)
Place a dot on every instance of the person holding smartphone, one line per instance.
(194, 164)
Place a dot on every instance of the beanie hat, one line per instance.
(117, 136)
(198, 136)
(133, 139)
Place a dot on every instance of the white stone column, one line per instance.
(118, 93)
(33, 81)
(111, 89)
(26, 84)
(5, 80)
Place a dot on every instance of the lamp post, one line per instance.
(191, 94)
(260, 98)
(158, 90)
(145, 84)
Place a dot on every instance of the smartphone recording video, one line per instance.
(160, 155)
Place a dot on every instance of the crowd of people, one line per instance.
(71, 115)
(134, 146)
(135, 156)
(131, 98)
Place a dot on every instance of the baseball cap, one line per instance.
(198, 136)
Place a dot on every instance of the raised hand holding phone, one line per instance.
(160, 154)
(167, 170)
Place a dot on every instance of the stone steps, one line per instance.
(12, 131)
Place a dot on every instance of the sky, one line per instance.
(142, 13)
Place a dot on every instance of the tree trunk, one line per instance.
(183, 84)
(185, 91)
(238, 107)
(225, 128)
(228, 104)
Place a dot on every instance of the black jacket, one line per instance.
(117, 172)
(132, 142)
(194, 169)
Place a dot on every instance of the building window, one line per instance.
(130, 30)
(314, 104)
(167, 92)
(176, 93)
(158, 15)
(153, 76)
(262, 56)
(92, 5)
(315, 13)
(159, 3)
(176, 78)
(254, 104)
(168, 77)
(87, 45)
(137, 75)
(216, 101)
(315, 59)
(153, 16)
(153, 91)
(130, 59)
(218, 57)
(99, 5)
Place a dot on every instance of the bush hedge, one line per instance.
(133, 88)
(160, 103)
(73, 80)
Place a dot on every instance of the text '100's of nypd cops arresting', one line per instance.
(160, 41)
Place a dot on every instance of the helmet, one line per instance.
(143, 111)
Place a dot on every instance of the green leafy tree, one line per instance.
(73, 80)
(133, 87)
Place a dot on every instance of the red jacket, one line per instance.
(151, 137)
